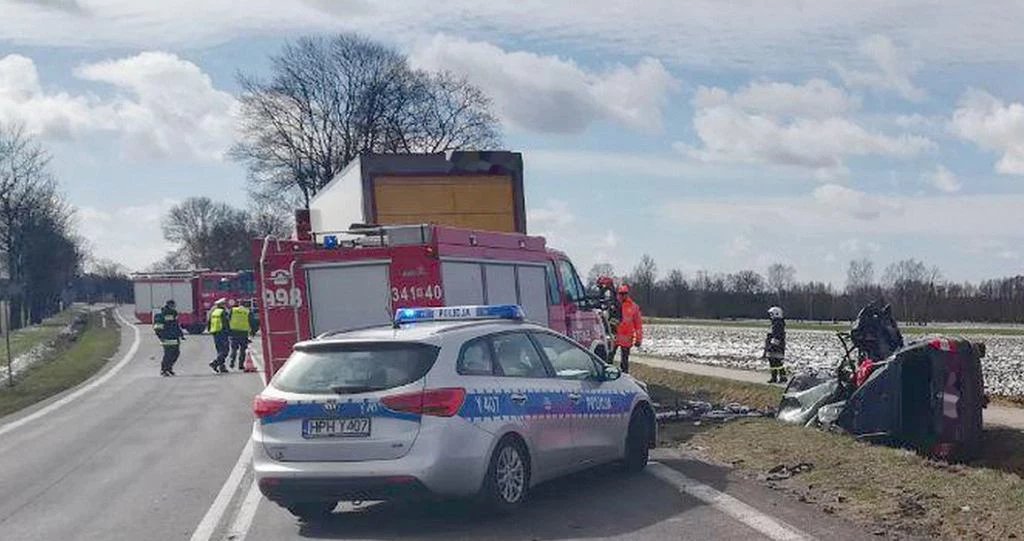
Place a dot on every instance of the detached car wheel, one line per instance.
(310, 511)
(637, 450)
(508, 477)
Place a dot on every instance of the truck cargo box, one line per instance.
(472, 190)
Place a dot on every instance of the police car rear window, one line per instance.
(354, 368)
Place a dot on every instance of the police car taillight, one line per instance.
(266, 407)
(433, 402)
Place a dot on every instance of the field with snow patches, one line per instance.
(740, 347)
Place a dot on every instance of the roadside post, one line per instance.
(5, 323)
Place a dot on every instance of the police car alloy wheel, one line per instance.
(508, 477)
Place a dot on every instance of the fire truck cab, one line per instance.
(359, 278)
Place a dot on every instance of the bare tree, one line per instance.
(34, 223)
(215, 235)
(781, 278)
(597, 271)
(329, 100)
(643, 278)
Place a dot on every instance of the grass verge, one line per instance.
(23, 340)
(667, 385)
(837, 327)
(71, 363)
(895, 493)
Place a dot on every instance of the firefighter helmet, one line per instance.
(775, 312)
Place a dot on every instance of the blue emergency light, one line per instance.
(331, 241)
(456, 313)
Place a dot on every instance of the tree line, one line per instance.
(917, 292)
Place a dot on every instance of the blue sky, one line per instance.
(711, 134)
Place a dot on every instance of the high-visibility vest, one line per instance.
(216, 320)
(240, 319)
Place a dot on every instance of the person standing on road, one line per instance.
(168, 331)
(630, 331)
(242, 326)
(775, 345)
(219, 327)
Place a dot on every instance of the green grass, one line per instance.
(70, 364)
(23, 340)
(667, 385)
(836, 327)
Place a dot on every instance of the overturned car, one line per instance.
(927, 395)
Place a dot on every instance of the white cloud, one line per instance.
(163, 105)
(551, 94)
(22, 100)
(581, 239)
(856, 246)
(816, 98)
(837, 212)
(893, 69)
(109, 237)
(850, 202)
(994, 125)
(945, 180)
(774, 36)
(739, 245)
(793, 125)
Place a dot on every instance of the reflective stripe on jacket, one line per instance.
(217, 317)
(631, 326)
(240, 319)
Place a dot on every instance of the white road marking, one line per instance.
(246, 513)
(215, 514)
(88, 387)
(764, 524)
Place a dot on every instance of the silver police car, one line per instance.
(456, 402)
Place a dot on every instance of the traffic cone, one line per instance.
(249, 366)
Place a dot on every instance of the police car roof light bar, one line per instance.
(459, 313)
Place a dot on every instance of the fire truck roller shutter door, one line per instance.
(463, 283)
(344, 297)
(182, 295)
(500, 284)
(144, 297)
(165, 291)
(533, 293)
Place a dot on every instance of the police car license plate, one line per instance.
(336, 428)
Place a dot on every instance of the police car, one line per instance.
(456, 402)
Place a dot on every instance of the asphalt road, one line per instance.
(144, 457)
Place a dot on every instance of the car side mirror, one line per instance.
(611, 373)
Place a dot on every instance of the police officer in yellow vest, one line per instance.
(242, 326)
(219, 326)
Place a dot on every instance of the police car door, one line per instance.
(601, 408)
(522, 394)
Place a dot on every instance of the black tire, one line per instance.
(638, 450)
(311, 511)
(196, 329)
(506, 492)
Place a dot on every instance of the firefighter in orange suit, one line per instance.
(630, 331)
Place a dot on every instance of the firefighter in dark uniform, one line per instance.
(242, 323)
(219, 327)
(168, 331)
(775, 345)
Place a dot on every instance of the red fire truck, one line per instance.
(193, 291)
(359, 279)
